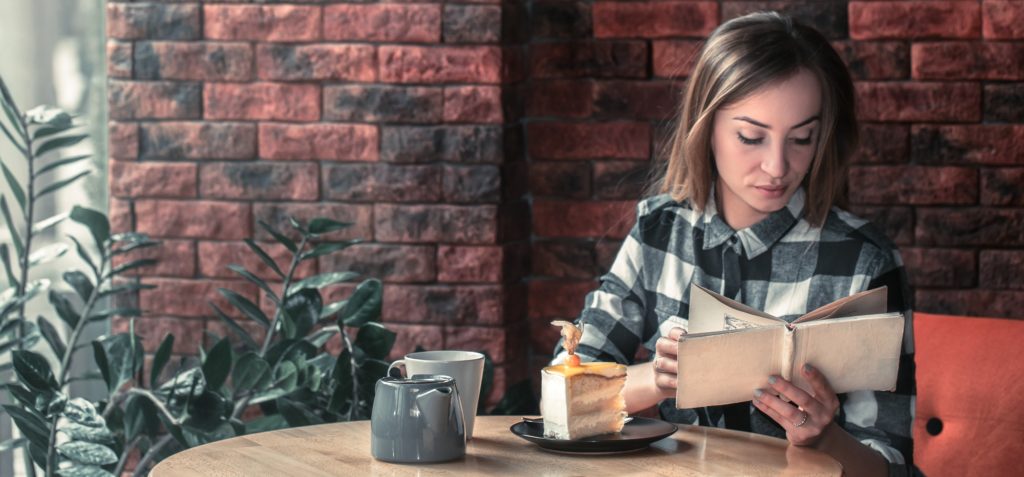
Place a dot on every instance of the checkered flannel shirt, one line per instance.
(781, 265)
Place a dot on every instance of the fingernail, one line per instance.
(758, 393)
(808, 368)
(771, 379)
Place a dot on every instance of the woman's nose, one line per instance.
(774, 162)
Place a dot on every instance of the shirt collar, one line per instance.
(757, 238)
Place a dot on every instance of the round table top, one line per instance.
(343, 449)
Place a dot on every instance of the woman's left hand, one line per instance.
(806, 417)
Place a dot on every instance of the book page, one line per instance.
(868, 302)
(855, 353)
(710, 311)
(726, 367)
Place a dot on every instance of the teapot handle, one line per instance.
(399, 363)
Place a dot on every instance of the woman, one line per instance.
(750, 207)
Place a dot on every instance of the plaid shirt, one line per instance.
(781, 265)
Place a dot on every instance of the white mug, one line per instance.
(467, 367)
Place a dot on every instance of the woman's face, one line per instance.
(763, 146)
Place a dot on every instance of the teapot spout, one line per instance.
(436, 406)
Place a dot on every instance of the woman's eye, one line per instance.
(803, 141)
(746, 140)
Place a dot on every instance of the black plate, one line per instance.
(636, 434)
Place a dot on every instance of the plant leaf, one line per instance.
(50, 222)
(269, 262)
(246, 306)
(116, 360)
(364, 305)
(52, 337)
(302, 310)
(60, 142)
(230, 322)
(61, 184)
(217, 364)
(142, 262)
(64, 309)
(295, 413)
(95, 221)
(81, 432)
(321, 225)
(46, 131)
(266, 423)
(84, 256)
(16, 190)
(63, 162)
(34, 371)
(317, 282)
(163, 354)
(250, 371)
(322, 336)
(48, 116)
(6, 258)
(80, 282)
(342, 378)
(375, 340)
(83, 412)
(255, 280)
(31, 426)
(104, 314)
(47, 254)
(87, 453)
(125, 288)
(22, 395)
(287, 242)
(328, 248)
(19, 249)
(12, 444)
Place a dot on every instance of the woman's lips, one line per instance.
(771, 192)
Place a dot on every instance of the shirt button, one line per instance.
(934, 426)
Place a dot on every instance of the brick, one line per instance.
(443, 304)
(1000, 269)
(122, 140)
(560, 179)
(564, 259)
(450, 64)
(428, 337)
(1002, 20)
(472, 104)
(261, 101)
(940, 267)
(916, 185)
(260, 180)
(121, 216)
(897, 223)
(153, 100)
(560, 98)
(615, 140)
(193, 219)
(919, 101)
(970, 226)
(1002, 186)
(216, 256)
(472, 23)
(277, 213)
(883, 144)
(462, 264)
(621, 179)
(175, 258)
(197, 140)
(382, 183)
(1002, 102)
(829, 18)
(561, 19)
(674, 58)
(330, 142)
(655, 100)
(405, 22)
(987, 303)
(875, 60)
(990, 144)
(279, 23)
(588, 59)
(490, 340)
(471, 184)
(199, 61)
(152, 330)
(914, 20)
(376, 103)
(390, 263)
(119, 59)
(435, 223)
(576, 219)
(464, 144)
(167, 297)
(152, 179)
(557, 299)
(654, 19)
(137, 21)
(316, 62)
(967, 60)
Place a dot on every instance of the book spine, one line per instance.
(788, 346)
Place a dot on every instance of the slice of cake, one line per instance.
(583, 400)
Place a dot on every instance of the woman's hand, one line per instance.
(806, 417)
(665, 364)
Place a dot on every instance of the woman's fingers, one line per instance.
(794, 394)
(823, 391)
(786, 414)
(669, 345)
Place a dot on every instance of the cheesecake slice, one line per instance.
(582, 400)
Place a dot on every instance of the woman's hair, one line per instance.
(740, 57)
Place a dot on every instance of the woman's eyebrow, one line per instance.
(763, 125)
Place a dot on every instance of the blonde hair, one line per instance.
(740, 57)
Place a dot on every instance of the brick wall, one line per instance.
(440, 128)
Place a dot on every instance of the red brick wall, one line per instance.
(440, 128)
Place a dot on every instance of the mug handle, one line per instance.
(398, 363)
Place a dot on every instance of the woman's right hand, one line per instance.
(665, 363)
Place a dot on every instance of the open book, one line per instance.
(731, 349)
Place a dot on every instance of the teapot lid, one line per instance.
(439, 379)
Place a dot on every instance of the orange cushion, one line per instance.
(970, 395)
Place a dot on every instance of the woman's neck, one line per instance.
(737, 213)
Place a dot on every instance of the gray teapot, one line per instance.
(417, 419)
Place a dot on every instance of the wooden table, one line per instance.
(343, 449)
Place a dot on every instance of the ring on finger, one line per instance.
(802, 421)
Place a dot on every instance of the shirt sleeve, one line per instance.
(613, 314)
(882, 420)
